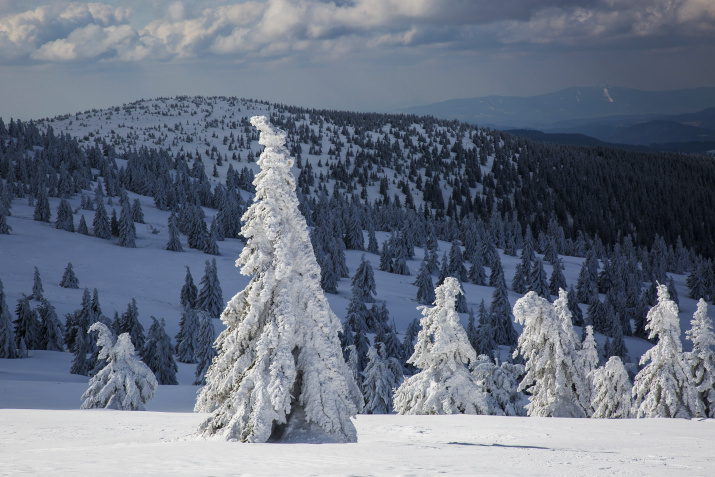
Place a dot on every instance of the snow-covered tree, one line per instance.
(611, 395)
(188, 336)
(100, 223)
(537, 279)
(174, 243)
(280, 369)
(702, 358)
(589, 359)
(51, 329)
(158, 353)
(363, 282)
(8, 347)
(210, 297)
(501, 385)
(444, 385)
(189, 292)
(664, 386)
(69, 279)
(554, 377)
(65, 219)
(125, 383)
(504, 332)
(425, 288)
(557, 279)
(127, 229)
(37, 288)
(27, 324)
(205, 351)
(42, 211)
(129, 323)
(379, 380)
(82, 227)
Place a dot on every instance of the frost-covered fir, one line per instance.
(702, 358)
(125, 383)
(280, 372)
(554, 375)
(611, 394)
(501, 384)
(664, 386)
(381, 376)
(69, 279)
(444, 385)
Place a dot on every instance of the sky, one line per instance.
(59, 57)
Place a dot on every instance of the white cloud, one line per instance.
(78, 31)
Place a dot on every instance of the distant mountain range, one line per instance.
(662, 120)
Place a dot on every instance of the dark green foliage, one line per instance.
(363, 282)
(189, 292)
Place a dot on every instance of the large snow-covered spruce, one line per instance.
(444, 385)
(280, 373)
(664, 387)
(125, 383)
(554, 370)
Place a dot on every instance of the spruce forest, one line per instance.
(463, 270)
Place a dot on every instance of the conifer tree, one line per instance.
(363, 282)
(589, 361)
(501, 385)
(328, 276)
(174, 243)
(372, 246)
(114, 224)
(8, 347)
(51, 329)
(37, 288)
(664, 386)
(537, 279)
(353, 238)
(378, 382)
(205, 351)
(258, 391)
(485, 343)
(188, 336)
(456, 266)
(127, 230)
(210, 297)
(558, 281)
(65, 219)
(504, 332)
(554, 377)
(471, 330)
(125, 383)
(82, 227)
(158, 353)
(129, 323)
(702, 357)
(425, 288)
(138, 216)
(42, 211)
(4, 227)
(477, 275)
(100, 223)
(210, 245)
(576, 312)
(27, 324)
(519, 283)
(189, 292)
(443, 385)
(443, 270)
(611, 391)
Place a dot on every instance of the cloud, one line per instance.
(77, 31)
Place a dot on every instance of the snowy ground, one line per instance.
(161, 443)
